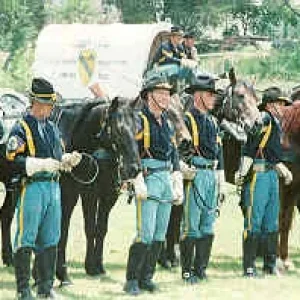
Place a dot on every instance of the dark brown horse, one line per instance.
(289, 194)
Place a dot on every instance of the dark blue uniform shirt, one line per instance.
(272, 152)
(168, 54)
(162, 139)
(46, 139)
(210, 146)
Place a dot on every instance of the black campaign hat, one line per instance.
(273, 94)
(176, 30)
(42, 91)
(189, 34)
(202, 82)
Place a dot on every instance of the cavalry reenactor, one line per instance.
(204, 188)
(258, 174)
(172, 52)
(160, 162)
(35, 145)
(188, 45)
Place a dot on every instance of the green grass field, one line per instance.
(225, 280)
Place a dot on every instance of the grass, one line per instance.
(224, 271)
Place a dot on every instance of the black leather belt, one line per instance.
(205, 166)
(42, 178)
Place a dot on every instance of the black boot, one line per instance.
(270, 254)
(203, 251)
(46, 262)
(186, 257)
(250, 245)
(34, 273)
(136, 260)
(163, 259)
(148, 270)
(22, 271)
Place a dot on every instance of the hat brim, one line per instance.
(193, 89)
(44, 100)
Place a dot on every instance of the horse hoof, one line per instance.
(101, 270)
(65, 283)
(165, 264)
(288, 265)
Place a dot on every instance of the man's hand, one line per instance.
(188, 63)
(188, 172)
(70, 160)
(177, 183)
(245, 165)
(140, 186)
(284, 172)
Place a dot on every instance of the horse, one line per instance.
(104, 133)
(289, 195)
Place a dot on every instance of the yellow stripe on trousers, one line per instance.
(21, 215)
(249, 209)
(139, 218)
(186, 209)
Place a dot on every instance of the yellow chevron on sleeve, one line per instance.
(167, 53)
(29, 138)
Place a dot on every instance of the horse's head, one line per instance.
(120, 126)
(240, 107)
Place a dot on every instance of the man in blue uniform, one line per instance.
(204, 187)
(188, 45)
(163, 180)
(258, 173)
(34, 144)
(172, 52)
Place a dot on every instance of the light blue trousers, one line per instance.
(38, 215)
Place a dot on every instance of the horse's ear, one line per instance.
(115, 104)
(136, 103)
(232, 76)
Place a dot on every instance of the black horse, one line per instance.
(105, 133)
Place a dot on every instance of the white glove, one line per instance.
(188, 172)
(70, 160)
(284, 172)
(221, 182)
(177, 183)
(35, 165)
(188, 63)
(140, 186)
(246, 163)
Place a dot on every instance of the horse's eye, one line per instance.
(240, 97)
